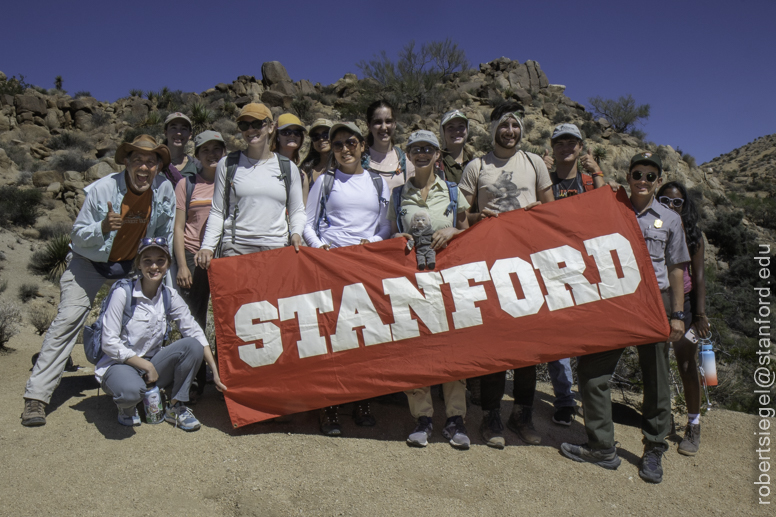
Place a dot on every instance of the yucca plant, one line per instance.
(201, 116)
(51, 260)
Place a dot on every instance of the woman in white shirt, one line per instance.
(133, 355)
(253, 216)
(382, 156)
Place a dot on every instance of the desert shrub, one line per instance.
(303, 109)
(638, 133)
(13, 85)
(82, 93)
(230, 108)
(69, 140)
(545, 134)
(135, 92)
(689, 159)
(51, 260)
(153, 119)
(41, 317)
(201, 116)
(761, 211)
(600, 153)
(225, 126)
(24, 178)
(10, 317)
(49, 231)
(528, 125)
(623, 113)
(100, 118)
(3, 285)
(170, 100)
(590, 128)
(19, 206)
(71, 161)
(28, 291)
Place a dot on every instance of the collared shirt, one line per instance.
(436, 203)
(664, 234)
(143, 335)
(453, 169)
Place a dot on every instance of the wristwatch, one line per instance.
(679, 315)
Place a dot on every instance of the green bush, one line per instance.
(10, 317)
(689, 159)
(82, 93)
(50, 231)
(71, 161)
(201, 116)
(19, 206)
(623, 113)
(13, 86)
(135, 92)
(600, 153)
(760, 211)
(69, 140)
(100, 118)
(51, 260)
(28, 291)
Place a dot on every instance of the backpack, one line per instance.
(452, 207)
(232, 159)
(93, 332)
(328, 184)
(402, 161)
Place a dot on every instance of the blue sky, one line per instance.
(706, 67)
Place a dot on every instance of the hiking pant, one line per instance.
(176, 364)
(492, 390)
(594, 372)
(562, 381)
(78, 288)
(455, 400)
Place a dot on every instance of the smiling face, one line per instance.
(508, 134)
(153, 264)
(210, 153)
(256, 137)
(642, 187)
(382, 125)
(290, 139)
(142, 168)
(456, 132)
(321, 144)
(347, 150)
(674, 193)
(178, 133)
(566, 149)
(423, 155)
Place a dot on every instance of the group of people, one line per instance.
(168, 211)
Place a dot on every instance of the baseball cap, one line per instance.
(423, 135)
(566, 129)
(175, 116)
(320, 122)
(256, 110)
(649, 159)
(287, 119)
(350, 126)
(153, 242)
(207, 136)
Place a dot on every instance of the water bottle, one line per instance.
(708, 365)
(152, 403)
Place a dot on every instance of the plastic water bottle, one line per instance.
(708, 365)
(152, 403)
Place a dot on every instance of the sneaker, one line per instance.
(129, 417)
(651, 466)
(455, 432)
(362, 414)
(181, 417)
(692, 440)
(564, 415)
(419, 437)
(492, 430)
(330, 425)
(606, 458)
(34, 413)
(521, 423)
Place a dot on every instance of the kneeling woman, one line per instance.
(133, 356)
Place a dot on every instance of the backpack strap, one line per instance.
(167, 301)
(587, 182)
(232, 159)
(190, 182)
(452, 190)
(377, 181)
(402, 161)
(131, 301)
(396, 199)
(328, 184)
(285, 173)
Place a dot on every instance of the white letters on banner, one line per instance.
(559, 267)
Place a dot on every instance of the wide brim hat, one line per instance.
(350, 126)
(256, 110)
(145, 143)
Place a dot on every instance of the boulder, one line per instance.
(30, 103)
(604, 123)
(502, 83)
(239, 88)
(63, 103)
(54, 187)
(83, 120)
(533, 75)
(6, 100)
(222, 87)
(52, 119)
(556, 88)
(74, 176)
(25, 117)
(273, 72)
(523, 96)
(42, 179)
(519, 78)
(285, 87)
(97, 171)
(83, 103)
(105, 146)
(305, 87)
(273, 99)
(6, 164)
(242, 101)
(139, 111)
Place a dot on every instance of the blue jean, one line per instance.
(562, 381)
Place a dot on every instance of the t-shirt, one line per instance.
(504, 185)
(436, 203)
(387, 166)
(135, 214)
(199, 210)
(354, 211)
(567, 187)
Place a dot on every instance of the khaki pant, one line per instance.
(455, 400)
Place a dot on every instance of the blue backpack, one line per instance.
(93, 332)
(452, 207)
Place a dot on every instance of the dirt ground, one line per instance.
(84, 463)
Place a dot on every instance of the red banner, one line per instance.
(300, 331)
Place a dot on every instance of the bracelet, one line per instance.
(699, 315)
(597, 174)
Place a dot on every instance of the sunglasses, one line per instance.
(423, 150)
(159, 241)
(637, 175)
(323, 135)
(674, 202)
(244, 125)
(288, 132)
(351, 142)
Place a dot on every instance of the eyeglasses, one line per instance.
(637, 175)
(674, 202)
(288, 132)
(244, 125)
(351, 142)
(159, 241)
(323, 135)
(423, 150)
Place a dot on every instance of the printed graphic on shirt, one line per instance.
(504, 193)
(567, 187)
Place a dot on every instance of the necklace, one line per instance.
(256, 163)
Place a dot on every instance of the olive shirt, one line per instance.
(453, 169)
(436, 203)
(664, 235)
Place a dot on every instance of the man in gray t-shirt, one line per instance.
(664, 235)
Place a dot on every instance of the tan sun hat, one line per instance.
(256, 110)
(142, 143)
(321, 122)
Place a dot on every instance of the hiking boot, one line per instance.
(564, 415)
(606, 458)
(521, 423)
(492, 430)
(362, 414)
(651, 466)
(419, 437)
(330, 425)
(129, 417)
(455, 433)
(692, 440)
(34, 413)
(182, 417)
